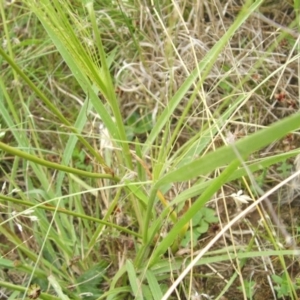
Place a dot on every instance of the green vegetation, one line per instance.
(249, 288)
(283, 286)
(134, 135)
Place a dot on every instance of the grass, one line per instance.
(128, 130)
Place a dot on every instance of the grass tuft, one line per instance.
(147, 149)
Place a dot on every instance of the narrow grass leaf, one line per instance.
(19, 288)
(68, 212)
(6, 263)
(53, 165)
(57, 288)
(258, 165)
(110, 91)
(196, 206)
(205, 64)
(222, 255)
(136, 190)
(156, 291)
(113, 294)
(213, 160)
(135, 283)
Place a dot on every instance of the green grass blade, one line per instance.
(53, 282)
(53, 165)
(196, 206)
(67, 212)
(110, 91)
(204, 66)
(226, 154)
(136, 285)
(154, 285)
(51, 106)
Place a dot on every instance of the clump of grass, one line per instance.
(131, 119)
